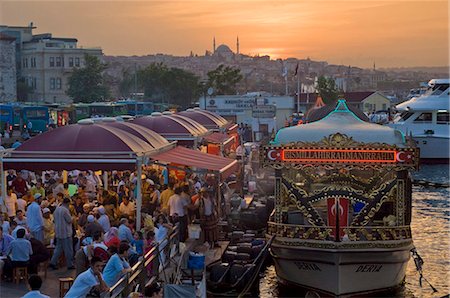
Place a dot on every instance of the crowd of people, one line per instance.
(91, 227)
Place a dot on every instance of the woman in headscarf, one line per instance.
(111, 238)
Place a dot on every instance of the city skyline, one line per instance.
(392, 33)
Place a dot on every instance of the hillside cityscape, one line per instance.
(44, 63)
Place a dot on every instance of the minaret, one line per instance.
(374, 66)
(214, 44)
(237, 45)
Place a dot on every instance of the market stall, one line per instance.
(174, 128)
(85, 146)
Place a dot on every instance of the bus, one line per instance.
(138, 108)
(6, 118)
(160, 107)
(80, 111)
(107, 109)
(38, 116)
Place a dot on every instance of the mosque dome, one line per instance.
(224, 49)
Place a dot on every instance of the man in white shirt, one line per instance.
(35, 220)
(103, 220)
(21, 204)
(177, 209)
(87, 280)
(11, 203)
(35, 283)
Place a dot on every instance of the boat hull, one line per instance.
(433, 149)
(342, 271)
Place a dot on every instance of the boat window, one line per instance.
(424, 117)
(439, 88)
(442, 118)
(405, 116)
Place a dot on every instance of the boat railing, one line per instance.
(140, 277)
(347, 233)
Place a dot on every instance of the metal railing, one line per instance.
(139, 276)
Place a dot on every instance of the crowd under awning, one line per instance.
(199, 160)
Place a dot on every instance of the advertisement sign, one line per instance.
(264, 111)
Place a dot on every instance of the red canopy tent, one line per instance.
(197, 159)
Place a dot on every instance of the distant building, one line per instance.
(366, 101)
(21, 34)
(8, 73)
(263, 111)
(46, 62)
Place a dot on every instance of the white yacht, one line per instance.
(426, 118)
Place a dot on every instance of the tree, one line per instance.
(224, 79)
(87, 84)
(23, 90)
(327, 90)
(169, 85)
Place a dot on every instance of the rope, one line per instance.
(418, 261)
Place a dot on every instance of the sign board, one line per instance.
(266, 111)
(405, 156)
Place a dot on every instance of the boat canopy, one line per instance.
(340, 120)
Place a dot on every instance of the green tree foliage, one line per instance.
(224, 79)
(126, 86)
(327, 90)
(162, 84)
(87, 84)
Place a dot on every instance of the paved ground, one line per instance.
(50, 285)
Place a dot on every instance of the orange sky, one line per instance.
(390, 33)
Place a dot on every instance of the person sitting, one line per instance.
(85, 254)
(5, 241)
(126, 208)
(40, 254)
(49, 227)
(92, 226)
(117, 265)
(87, 280)
(111, 238)
(82, 219)
(19, 253)
(35, 283)
(14, 228)
(138, 243)
(103, 220)
(20, 219)
(125, 231)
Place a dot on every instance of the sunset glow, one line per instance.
(390, 33)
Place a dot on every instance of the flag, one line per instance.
(296, 70)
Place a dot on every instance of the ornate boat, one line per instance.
(343, 204)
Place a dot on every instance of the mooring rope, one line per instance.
(418, 261)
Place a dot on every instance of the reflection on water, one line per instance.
(430, 227)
